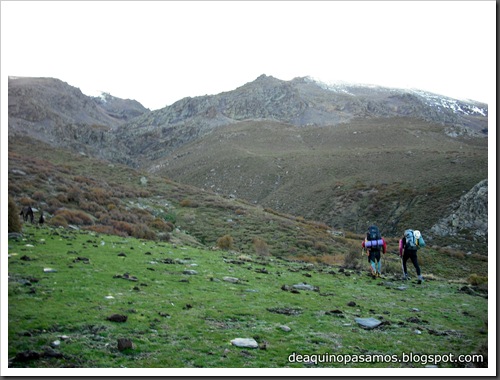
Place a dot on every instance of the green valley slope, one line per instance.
(396, 172)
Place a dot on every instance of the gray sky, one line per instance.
(162, 51)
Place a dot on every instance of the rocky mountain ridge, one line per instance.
(297, 146)
(299, 102)
(52, 111)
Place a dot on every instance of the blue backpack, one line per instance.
(374, 238)
(411, 241)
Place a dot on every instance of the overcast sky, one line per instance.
(160, 52)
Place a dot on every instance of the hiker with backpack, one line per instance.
(373, 244)
(408, 247)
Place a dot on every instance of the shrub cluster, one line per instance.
(14, 221)
(352, 259)
(225, 242)
(77, 217)
(261, 247)
(475, 279)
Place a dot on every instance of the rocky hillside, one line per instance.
(52, 111)
(299, 102)
(469, 213)
(343, 155)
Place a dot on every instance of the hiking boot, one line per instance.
(420, 280)
(406, 277)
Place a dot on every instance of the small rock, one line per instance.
(190, 272)
(304, 286)
(49, 270)
(56, 343)
(368, 323)
(351, 303)
(233, 280)
(285, 328)
(245, 342)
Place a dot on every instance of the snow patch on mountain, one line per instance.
(458, 106)
(464, 107)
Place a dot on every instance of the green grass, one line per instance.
(177, 320)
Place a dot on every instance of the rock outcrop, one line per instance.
(469, 216)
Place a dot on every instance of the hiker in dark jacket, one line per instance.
(407, 253)
(373, 244)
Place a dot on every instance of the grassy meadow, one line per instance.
(177, 318)
(122, 243)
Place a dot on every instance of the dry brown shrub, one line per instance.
(91, 206)
(321, 247)
(161, 225)
(123, 215)
(62, 198)
(74, 195)
(319, 225)
(475, 279)
(98, 195)
(225, 242)
(188, 203)
(14, 221)
(304, 243)
(39, 195)
(261, 247)
(352, 259)
(26, 201)
(58, 221)
(141, 231)
(123, 227)
(479, 257)
(77, 217)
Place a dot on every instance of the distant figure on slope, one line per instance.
(42, 218)
(408, 246)
(373, 244)
(27, 212)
